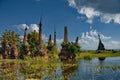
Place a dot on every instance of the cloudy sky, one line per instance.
(84, 18)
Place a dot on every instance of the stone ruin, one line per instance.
(41, 51)
(65, 54)
(9, 51)
(100, 45)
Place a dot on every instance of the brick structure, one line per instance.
(55, 39)
(100, 45)
(65, 34)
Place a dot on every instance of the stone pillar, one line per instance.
(55, 38)
(65, 34)
(100, 45)
(41, 51)
(50, 39)
(14, 50)
(76, 41)
(40, 33)
(25, 37)
(5, 49)
(25, 42)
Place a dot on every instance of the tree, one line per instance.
(8, 36)
(71, 47)
(33, 41)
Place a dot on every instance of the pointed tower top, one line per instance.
(40, 21)
(99, 36)
(26, 29)
(54, 29)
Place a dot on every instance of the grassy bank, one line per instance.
(92, 54)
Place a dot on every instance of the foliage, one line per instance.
(33, 41)
(11, 37)
(23, 50)
(70, 46)
(51, 48)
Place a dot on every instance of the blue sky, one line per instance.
(84, 19)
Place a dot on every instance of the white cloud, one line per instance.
(89, 12)
(33, 27)
(89, 41)
(21, 26)
(94, 8)
(72, 3)
(30, 27)
(107, 18)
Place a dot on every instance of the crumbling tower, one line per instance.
(100, 46)
(41, 51)
(65, 34)
(25, 37)
(55, 38)
(40, 33)
(50, 39)
(76, 41)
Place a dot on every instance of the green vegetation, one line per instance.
(11, 37)
(93, 54)
(33, 41)
(71, 47)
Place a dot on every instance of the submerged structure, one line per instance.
(100, 45)
(68, 48)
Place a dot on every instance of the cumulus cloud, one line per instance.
(30, 27)
(107, 10)
(89, 41)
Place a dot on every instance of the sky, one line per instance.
(84, 18)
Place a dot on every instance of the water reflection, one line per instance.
(101, 58)
(69, 70)
(8, 71)
(108, 69)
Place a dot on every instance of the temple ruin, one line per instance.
(9, 51)
(25, 42)
(55, 44)
(66, 54)
(100, 45)
(41, 51)
(65, 34)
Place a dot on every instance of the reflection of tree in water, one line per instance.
(38, 70)
(8, 71)
(69, 70)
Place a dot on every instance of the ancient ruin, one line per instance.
(50, 39)
(9, 51)
(5, 49)
(65, 34)
(55, 44)
(100, 45)
(76, 41)
(65, 53)
(25, 42)
(41, 51)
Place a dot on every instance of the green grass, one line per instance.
(93, 54)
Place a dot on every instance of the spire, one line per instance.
(40, 25)
(100, 46)
(76, 41)
(40, 32)
(65, 34)
(50, 39)
(25, 36)
(54, 36)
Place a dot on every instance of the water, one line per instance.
(94, 69)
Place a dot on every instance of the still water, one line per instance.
(108, 69)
